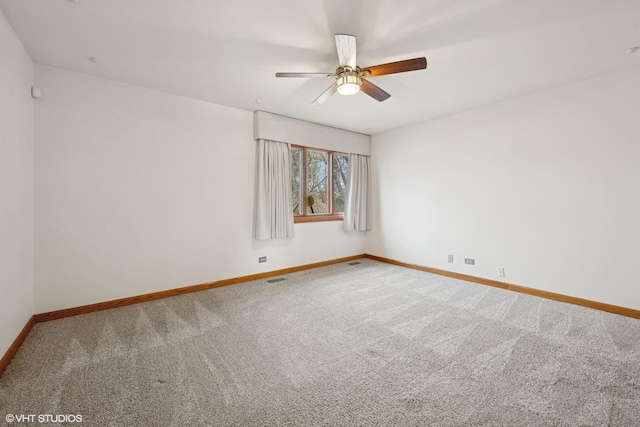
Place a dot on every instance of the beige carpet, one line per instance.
(369, 344)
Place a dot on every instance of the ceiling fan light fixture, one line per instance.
(351, 79)
(348, 83)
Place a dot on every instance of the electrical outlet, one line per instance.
(262, 259)
(501, 271)
(449, 258)
(470, 261)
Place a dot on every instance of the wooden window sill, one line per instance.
(317, 218)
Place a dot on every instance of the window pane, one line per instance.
(340, 174)
(296, 180)
(317, 182)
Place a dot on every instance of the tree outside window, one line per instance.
(319, 184)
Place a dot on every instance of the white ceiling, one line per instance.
(227, 52)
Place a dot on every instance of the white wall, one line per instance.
(300, 132)
(16, 186)
(547, 186)
(139, 191)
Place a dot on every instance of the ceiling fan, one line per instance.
(350, 79)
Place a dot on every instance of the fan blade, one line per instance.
(346, 46)
(305, 75)
(326, 94)
(395, 67)
(373, 91)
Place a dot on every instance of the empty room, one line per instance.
(320, 213)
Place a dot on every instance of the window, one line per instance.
(319, 183)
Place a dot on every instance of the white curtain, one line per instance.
(274, 216)
(357, 210)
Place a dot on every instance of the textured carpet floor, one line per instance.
(371, 344)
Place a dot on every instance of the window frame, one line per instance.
(305, 216)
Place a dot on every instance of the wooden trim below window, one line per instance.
(317, 218)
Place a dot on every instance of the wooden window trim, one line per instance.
(318, 218)
(307, 217)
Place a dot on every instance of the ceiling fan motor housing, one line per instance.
(348, 80)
